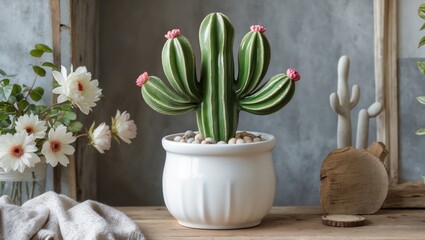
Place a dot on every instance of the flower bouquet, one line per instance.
(33, 135)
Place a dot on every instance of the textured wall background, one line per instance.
(307, 35)
(22, 25)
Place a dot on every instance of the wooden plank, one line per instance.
(56, 39)
(285, 223)
(409, 194)
(379, 59)
(392, 90)
(84, 34)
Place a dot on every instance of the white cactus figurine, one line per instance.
(342, 104)
(363, 123)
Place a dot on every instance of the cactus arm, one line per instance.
(363, 123)
(270, 97)
(355, 96)
(178, 62)
(254, 59)
(335, 105)
(217, 113)
(375, 109)
(163, 100)
(362, 129)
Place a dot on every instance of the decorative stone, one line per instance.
(183, 140)
(199, 137)
(189, 134)
(196, 141)
(240, 141)
(177, 139)
(232, 141)
(210, 140)
(222, 142)
(256, 139)
(247, 139)
(190, 140)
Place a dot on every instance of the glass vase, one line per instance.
(21, 187)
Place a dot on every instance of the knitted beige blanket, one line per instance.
(53, 216)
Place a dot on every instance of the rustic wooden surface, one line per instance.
(286, 223)
(353, 181)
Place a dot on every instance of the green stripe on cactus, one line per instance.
(163, 100)
(254, 59)
(178, 62)
(270, 97)
(217, 112)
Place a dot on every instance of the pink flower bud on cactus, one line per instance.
(172, 34)
(142, 79)
(258, 28)
(293, 74)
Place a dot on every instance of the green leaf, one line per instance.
(50, 65)
(3, 73)
(69, 115)
(421, 11)
(23, 104)
(5, 81)
(421, 67)
(36, 53)
(420, 131)
(37, 93)
(43, 47)
(421, 99)
(75, 127)
(39, 71)
(421, 42)
(17, 89)
(5, 92)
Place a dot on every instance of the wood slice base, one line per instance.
(343, 220)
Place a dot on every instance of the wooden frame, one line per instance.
(402, 194)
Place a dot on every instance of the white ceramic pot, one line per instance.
(219, 186)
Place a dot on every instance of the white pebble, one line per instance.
(183, 140)
(222, 142)
(204, 142)
(247, 139)
(177, 138)
(210, 140)
(189, 134)
(190, 140)
(240, 141)
(257, 139)
(232, 141)
(196, 141)
(199, 137)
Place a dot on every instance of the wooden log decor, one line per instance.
(354, 181)
(343, 220)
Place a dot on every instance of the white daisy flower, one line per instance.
(77, 87)
(100, 138)
(123, 127)
(58, 145)
(17, 151)
(31, 125)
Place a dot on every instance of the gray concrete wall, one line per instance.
(307, 35)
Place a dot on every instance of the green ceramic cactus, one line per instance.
(217, 97)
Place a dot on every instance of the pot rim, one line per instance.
(219, 149)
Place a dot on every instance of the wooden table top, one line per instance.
(302, 222)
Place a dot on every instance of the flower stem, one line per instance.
(33, 186)
(43, 113)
